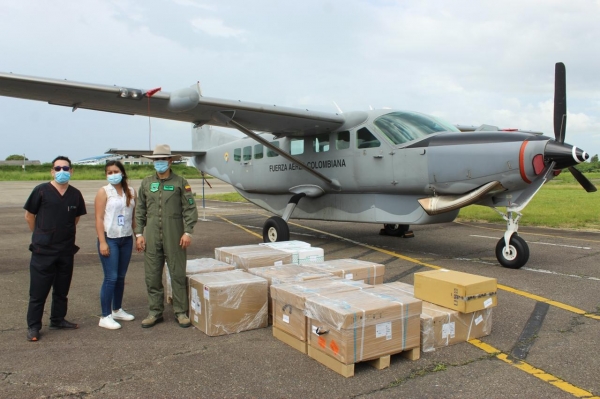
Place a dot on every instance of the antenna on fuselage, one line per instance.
(338, 108)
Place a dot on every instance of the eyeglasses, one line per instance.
(65, 168)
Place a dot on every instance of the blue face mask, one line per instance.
(62, 177)
(115, 178)
(161, 166)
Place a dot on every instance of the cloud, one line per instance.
(215, 27)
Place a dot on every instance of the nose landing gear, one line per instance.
(512, 251)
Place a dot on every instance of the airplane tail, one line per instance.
(205, 138)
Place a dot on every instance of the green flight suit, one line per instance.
(166, 208)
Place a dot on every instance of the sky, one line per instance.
(467, 62)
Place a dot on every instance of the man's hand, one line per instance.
(185, 241)
(140, 243)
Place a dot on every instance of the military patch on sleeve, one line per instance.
(188, 188)
(191, 201)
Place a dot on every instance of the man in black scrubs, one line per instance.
(52, 212)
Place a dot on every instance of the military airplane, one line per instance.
(397, 168)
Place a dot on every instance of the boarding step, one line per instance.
(347, 370)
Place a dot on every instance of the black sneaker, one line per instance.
(63, 324)
(33, 334)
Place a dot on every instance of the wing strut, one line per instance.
(228, 119)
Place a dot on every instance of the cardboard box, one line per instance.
(443, 327)
(248, 256)
(289, 300)
(193, 266)
(286, 274)
(464, 292)
(354, 326)
(228, 302)
(302, 255)
(284, 244)
(353, 269)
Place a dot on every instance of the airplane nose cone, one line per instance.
(564, 155)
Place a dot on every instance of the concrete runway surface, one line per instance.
(544, 340)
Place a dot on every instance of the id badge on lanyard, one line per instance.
(121, 220)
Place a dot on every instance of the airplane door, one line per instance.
(373, 166)
(246, 168)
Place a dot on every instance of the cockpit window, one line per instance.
(402, 127)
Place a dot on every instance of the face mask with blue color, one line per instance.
(115, 178)
(62, 177)
(161, 166)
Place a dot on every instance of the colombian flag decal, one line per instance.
(188, 188)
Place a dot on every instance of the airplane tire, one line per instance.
(395, 229)
(516, 255)
(276, 229)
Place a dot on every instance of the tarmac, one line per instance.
(544, 340)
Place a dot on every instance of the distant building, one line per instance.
(20, 163)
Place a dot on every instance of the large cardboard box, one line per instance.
(353, 269)
(301, 251)
(193, 266)
(443, 327)
(464, 292)
(354, 326)
(228, 302)
(248, 256)
(289, 300)
(286, 274)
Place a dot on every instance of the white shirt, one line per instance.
(118, 216)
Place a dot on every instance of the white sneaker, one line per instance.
(108, 322)
(122, 315)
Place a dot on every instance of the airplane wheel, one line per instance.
(395, 229)
(515, 255)
(276, 229)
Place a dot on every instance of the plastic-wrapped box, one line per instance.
(228, 302)
(354, 326)
(193, 266)
(248, 256)
(354, 269)
(284, 244)
(289, 299)
(443, 327)
(285, 274)
(456, 290)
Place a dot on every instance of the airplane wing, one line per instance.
(184, 105)
(141, 153)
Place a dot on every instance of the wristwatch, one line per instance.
(188, 234)
(138, 235)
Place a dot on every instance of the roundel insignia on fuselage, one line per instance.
(226, 156)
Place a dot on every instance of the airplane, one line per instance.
(391, 167)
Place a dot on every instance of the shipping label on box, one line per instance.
(463, 292)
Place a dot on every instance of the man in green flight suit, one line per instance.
(166, 208)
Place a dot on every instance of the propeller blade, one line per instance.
(560, 102)
(585, 183)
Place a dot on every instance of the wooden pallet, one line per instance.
(290, 340)
(347, 370)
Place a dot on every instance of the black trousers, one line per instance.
(49, 271)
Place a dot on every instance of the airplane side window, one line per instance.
(342, 141)
(365, 139)
(247, 153)
(271, 153)
(296, 146)
(321, 143)
(258, 151)
(237, 154)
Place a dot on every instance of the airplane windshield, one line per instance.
(402, 127)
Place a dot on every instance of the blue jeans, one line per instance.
(115, 268)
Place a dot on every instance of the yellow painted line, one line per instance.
(500, 286)
(524, 232)
(241, 227)
(534, 371)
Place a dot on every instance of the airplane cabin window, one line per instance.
(237, 154)
(247, 153)
(365, 139)
(402, 127)
(271, 153)
(258, 151)
(321, 143)
(296, 146)
(342, 141)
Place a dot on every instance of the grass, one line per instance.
(87, 172)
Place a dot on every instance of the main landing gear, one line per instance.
(396, 230)
(276, 228)
(512, 251)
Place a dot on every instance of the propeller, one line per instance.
(558, 151)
